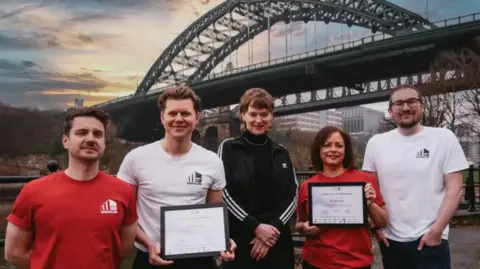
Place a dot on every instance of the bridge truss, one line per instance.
(222, 30)
(451, 71)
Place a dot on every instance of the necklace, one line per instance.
(254, 143)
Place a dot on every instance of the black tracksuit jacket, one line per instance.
(242, 197)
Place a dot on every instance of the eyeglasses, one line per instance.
(411, 103)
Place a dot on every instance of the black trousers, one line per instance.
(280, 256)
(141, 262)
(306, 265)
(405, 255)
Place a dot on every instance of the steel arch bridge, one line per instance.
(214, 36)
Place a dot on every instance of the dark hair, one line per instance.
(322, 136)
(179, 93)
(257, 98)
(95, 112)
(401, 87)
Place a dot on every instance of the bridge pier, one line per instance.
(210, 132)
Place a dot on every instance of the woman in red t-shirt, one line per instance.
(338, 248)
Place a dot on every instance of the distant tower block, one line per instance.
(78, 102)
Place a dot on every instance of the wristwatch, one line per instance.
(374, 229)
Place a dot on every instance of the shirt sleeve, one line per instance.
(22, 211)
(289, 203)
(249, 222)
(455, 159)
(126, 172)
(131, 208)
(368, 158)
(219, 181)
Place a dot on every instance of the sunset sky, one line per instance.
(52, 52)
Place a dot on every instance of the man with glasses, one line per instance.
(419, 170)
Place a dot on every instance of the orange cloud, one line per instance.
(82, 92)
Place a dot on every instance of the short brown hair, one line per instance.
(179, 93)
(322, 136)
(401, 87)
(257, 98)
(95, 112)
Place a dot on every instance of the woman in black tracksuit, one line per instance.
(261, 190)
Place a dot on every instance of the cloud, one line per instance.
(294, 28)
(6, 15)
(27, 86)
(54, 28)
(29, 63)
(93, 17)
(10, 42)
(95, 49)
(28, 80)
(8, 65)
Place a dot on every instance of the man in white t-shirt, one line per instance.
(419, 170)
(172, 171)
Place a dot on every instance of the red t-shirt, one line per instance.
(338, 248)
(76, 224)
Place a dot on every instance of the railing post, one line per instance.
(478, 171)
(470, 190)
(52, 166)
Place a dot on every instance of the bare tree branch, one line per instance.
(471, 106)
(386, 125)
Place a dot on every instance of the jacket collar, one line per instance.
(240, 141)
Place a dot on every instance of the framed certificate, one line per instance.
(190, 231)
(337, 204)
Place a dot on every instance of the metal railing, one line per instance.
(471, 179)
(471, 183)
(316, 52)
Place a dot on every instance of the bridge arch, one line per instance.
(210, 139)
(196, 137)
(175, 62)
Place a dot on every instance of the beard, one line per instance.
(411, 124)
(82, 155)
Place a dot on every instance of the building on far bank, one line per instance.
(359, 120)
(309, 122)
(78, 103)
(470, 142)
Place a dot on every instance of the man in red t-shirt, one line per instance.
(77, 218)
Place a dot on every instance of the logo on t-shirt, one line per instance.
(195, 178)
(424, 153)
(108, 207)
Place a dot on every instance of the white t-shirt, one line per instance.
(410, 172)
(164, 180)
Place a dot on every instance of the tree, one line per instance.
(442, 109)
(115, 150)
(28, 131)
(280, 131)
(434, 111)
(297, 142)
(359, 145)
(299, 146)
(387, 124)
(453, 112)
(471, 106)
